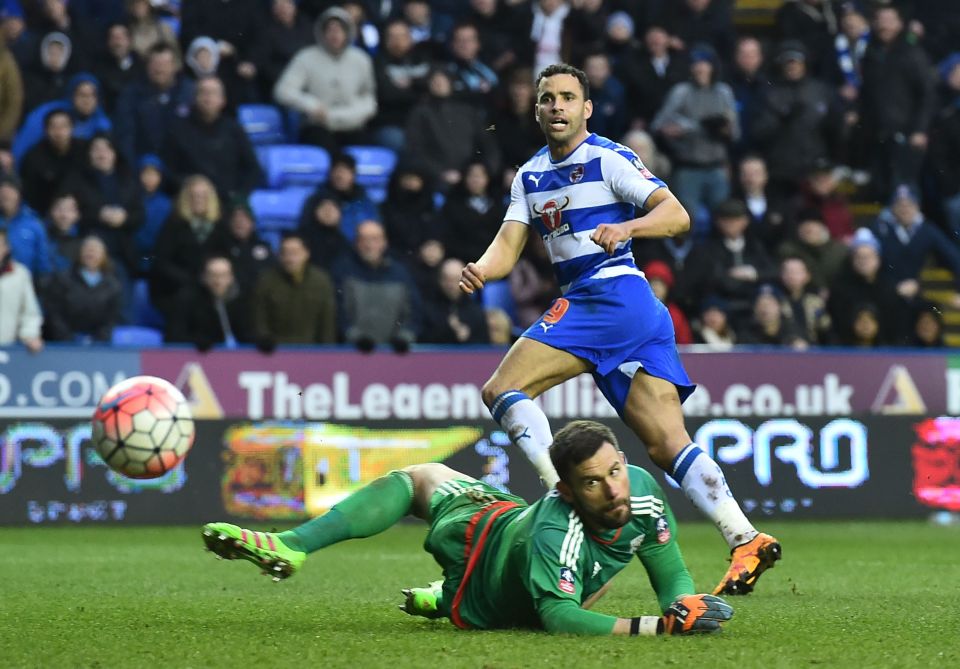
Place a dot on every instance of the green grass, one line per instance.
(846, 594)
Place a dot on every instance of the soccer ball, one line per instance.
(143, 427)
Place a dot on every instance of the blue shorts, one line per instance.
(619, 326)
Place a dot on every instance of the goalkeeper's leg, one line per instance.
(372, 509)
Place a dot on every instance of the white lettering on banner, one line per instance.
(953, 392)
(273, 395)
(71, 389)
(795, 446)
(831, 398)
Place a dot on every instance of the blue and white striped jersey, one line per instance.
(600, 181)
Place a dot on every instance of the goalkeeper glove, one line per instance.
(696, 613)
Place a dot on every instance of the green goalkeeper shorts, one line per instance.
(460, 509)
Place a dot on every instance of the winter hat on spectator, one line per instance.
(195, 47)
(791, 49)
(904, 191)
(864, 237)
(55, 38)
(731, 208)
(622, 20)
(714, 302)
(947, 64)
(703, 52)
(150, 160)
(659, 270)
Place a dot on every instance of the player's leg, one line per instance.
(652, 410)
(529, 368)
(370, 510)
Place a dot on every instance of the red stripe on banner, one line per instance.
(472, 553)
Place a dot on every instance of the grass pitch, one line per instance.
(845, 594)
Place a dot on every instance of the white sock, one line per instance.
(528, 428)
(703, 483)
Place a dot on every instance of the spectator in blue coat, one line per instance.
(28, 239)
(156, 208)
(609, 98)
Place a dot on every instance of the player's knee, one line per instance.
(491, 390)
(663, 451)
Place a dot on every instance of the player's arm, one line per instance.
(498, 259)
(664, 563)
(665, 217)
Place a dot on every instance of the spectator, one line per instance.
(25, 238)
(770, 326)
(454, 318)
(502, 28)
(547, 32)
(621, 42)
(146, 109)
(63, 232)
(183, 242)
(609, 117)
(341, 184)
(110, 203)
(117, 66)
(214, 311)
(650, 74)
(410, 220)
(208, 142)
(794, 127)
(156, 209)
(147, 31)
(320, 229)
(928, 328)
(812, 23)
(378, 300)
(423, 28)
(731, 264)
(20, 316)
(819, 191)
(907, 241)
(202, 59)
(713, 329)
(295, 303)
(401, 80)
(823, 255)
(235, 26)
(23, 44)
(48, 79)
(849, 46)
(48, 164)
(443, 134)
(473, 81)
(53, 16)
(749, 82)
(661, 282)
(700, 22)
(11, 93)
(367, 32)
(770, 216)
(515, 128)
(806, 308)
(286, 32)
(653, 159)
(585, 29)
(533, 284)
(945, 144)
(83, 302)
(862, 281)
(239, 242)
(471, 215)
(897, 103)
(332, 84)
(865, 328)
(424, 267)
(698, 121)
(499, 327)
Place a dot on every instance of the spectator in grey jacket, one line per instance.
(698, 121)
(20, 317)
(332, 84)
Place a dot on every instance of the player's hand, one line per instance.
(472, 278)
(693, 614)
(609, 235)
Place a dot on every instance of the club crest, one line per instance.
(576, 174)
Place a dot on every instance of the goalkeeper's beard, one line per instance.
(608, 518)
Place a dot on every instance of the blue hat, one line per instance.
(621, 18)
(703, 52)
(150, 160)
(864, 237)
(904, 191)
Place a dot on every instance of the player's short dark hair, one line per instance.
(563, 68)
(577, 441)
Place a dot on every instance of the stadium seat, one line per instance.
(278, 210)
(143, 312)
(377, 193)
(135, 335)
(293, 164)
(262, 123)
(375, 164)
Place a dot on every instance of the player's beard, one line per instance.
(606, 518)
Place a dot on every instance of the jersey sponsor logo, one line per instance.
(576, 174)
(663, 530)
(551, 211)
(535, 179)
(567, 583)
(636, 543)
(643, 170)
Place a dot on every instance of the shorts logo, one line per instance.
(663, 530)
(554, 313)
(576, 174)
(551, 212)
(566, 583)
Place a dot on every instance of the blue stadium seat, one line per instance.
(143, 311)
(262, 123)
(278, 210)
(293, 164)
(375, 164)
(496, 294)
(377, 193)
(135, 335)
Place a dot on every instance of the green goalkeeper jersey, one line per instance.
(534, 566)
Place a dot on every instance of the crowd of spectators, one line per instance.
(122, 161)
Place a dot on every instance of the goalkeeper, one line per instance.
(509, 564)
